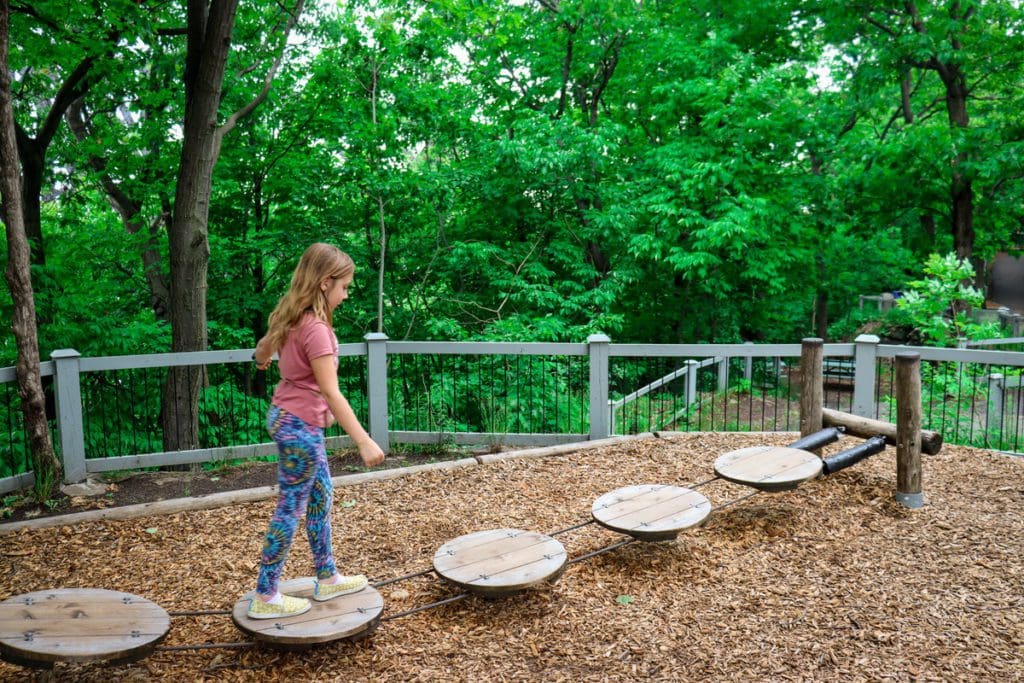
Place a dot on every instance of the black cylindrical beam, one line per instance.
(818, 439)
(852, 456)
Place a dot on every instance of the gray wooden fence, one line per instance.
(67, 368)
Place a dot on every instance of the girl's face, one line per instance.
(336, 289)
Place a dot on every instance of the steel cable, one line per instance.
(428, 606)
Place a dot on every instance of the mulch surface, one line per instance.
(831, 581)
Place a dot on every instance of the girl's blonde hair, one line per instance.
(318, 262)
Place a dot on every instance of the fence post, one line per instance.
(908, 430)
(68, 393)
(748, 365)
(1003, 315)
(995, 401)
(598, 347)
(691, 381)
(723, 372)
(377, 388)
(1014, 321)
(811, 385)
(865, 374)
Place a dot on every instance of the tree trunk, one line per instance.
(44, 461)
(258, 322)
(209, 38)
(821, 299)
(32, 160)
(383, 255)
(962, 195)
(33, 153)
(961, 189)
(955, 81)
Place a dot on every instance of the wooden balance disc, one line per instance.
(650, 512)
(768, 468)
(79, 625)
(351, 616)
(500, 562)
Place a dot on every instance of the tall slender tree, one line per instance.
(45, 464)
(209, 28)
(209, 39)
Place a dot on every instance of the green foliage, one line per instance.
(848, 327)
(43, 486)
(496, 394)
(228, 416)
(957, 400)
(660, 172)
(674, 181)
(936, 305)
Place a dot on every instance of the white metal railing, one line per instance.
(688, 371)
(1006, 341)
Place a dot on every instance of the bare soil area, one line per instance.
(831, 581)
(131, 488)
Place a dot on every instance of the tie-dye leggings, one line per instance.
(304, 481)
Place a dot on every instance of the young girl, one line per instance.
(304, 403)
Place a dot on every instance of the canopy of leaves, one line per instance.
(657, 171)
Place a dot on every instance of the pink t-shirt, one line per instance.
(298, 392)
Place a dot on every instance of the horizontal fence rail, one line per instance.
(107, 413)
(972, 397)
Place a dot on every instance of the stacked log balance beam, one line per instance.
(908, 437)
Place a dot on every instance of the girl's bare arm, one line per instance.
(263, 354)
(327, 379)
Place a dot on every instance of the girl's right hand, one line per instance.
(371, 453)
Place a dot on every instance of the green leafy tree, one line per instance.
(932, 84)
(938, 305)
(662, 172)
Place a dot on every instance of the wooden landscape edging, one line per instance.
(225, 498)
(561, 449)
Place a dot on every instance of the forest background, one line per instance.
(657, 171)
(540, 170)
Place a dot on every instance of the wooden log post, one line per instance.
(811, 386)
(908, 430)
(866, 427)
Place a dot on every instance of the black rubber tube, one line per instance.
(813, 442)
(852, 456)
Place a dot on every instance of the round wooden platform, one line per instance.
(650, 512)
(500, 562)
(351, 617)
(79, 625)
(768, 468)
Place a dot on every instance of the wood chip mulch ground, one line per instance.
(831, 581)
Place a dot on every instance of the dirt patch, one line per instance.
(830, 581)
(146, 487)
